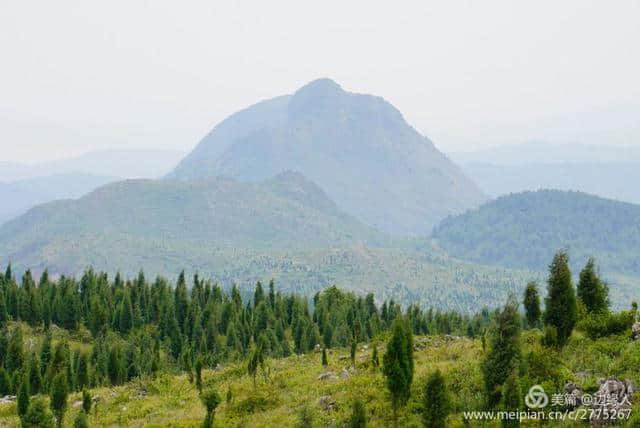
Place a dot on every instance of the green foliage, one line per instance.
(398, 364)
(511, 400)
(532, 305)
(23, 397)
(524, 230)
(602, 324)
(592, 292)
(87, 401)
(58, 396)
(435, 401)
(80, 420)
(375, 362)
(560, 303)
(38, 415)
(325, 362)
(504, 352)
(358, 418)
(210, 399)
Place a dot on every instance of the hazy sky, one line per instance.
(83, 75)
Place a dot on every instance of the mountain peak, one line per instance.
(316, 96)
(320, 86)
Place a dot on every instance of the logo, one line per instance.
(536, 398)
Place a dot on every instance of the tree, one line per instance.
(325, 363)
(436, 403)
(81, 420)
(35, 380)
(511, 400)
(126, 314)
(87, 401)
(15, 353)
(38, 415)
(353, 352)
(375, 362)
(560, 303)
(59, 392)
(5, 382)
(23, 398)
(198, 369)
(358, 418)
(593, 293)
(255, 360)
(504, 351)
(532, 304)
(398, 365)
(211, 400)
(83, 371)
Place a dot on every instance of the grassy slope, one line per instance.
(173, 401)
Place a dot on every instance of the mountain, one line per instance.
(109, 163)
(356, 147)
(117, 225)
(524, 230)
(18, 196)
(536, 152)
(605, 179)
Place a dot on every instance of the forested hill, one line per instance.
(356, 147)
(133, 221)
(524, 230)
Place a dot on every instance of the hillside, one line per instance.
(524, 230)
(356, 147)
(604, 179)
(18, 196)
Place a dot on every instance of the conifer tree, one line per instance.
(59, 392)
(532, 304)
(560, 303)
(436, 402)
(211, 400)
(358, 418)
(82, 374)
(511, 400)
(353, 352)
(23, 397)
(325, 363)
(255, 360)
(5, 382)
(125, 323)
(593, 293)
(38, 415)
(35, 379)
(87, 401)
(80, 420)
(504, 351)
(198, 369)
(398, 365)
(375, 362)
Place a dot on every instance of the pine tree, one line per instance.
(511, 400)
(353, 352)
(211, 400)
(325, 363)
(198, 369)
(398, 365)
(35, 379)
(23, 397)
(45, 352)
(375, 362)
(15, 353)
(358, 418)
(125, 323)
(87, 401)
(82, 374)
(532, 304)
(255, 360)
(560, 303)
(436, 402)
(115, 365)
(504, 351)
(38, 415)
(5, 382)
(59, 392)
(593, 293)
(80, 420)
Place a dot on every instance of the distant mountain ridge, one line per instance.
(358, 148)
(112, 163)
(524, 230)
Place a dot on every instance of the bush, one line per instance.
(606, 324)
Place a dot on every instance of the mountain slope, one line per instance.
(524, 230)
(18, 196)
(608, 180)
(358, 148)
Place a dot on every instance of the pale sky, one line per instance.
(77, 76)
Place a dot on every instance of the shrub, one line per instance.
(604, 324)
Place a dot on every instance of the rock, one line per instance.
(77, 404)
(343, 357)
(327, 403)
(7, 399)
(635, 330)
(345, 374)
(613, 396)
(573, 395)
(327, 376)
(317, 349)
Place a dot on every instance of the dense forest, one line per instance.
(68, 336)
(524, 230)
